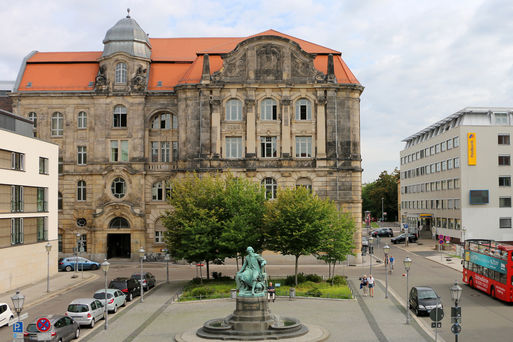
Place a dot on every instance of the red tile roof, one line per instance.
(174, 61)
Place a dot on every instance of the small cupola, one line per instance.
(128, 37)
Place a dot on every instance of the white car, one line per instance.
(5, 314)
(86, 311)
(115, 299)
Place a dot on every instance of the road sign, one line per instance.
(456, 314)
(447, 238)
(436, 312)
(17, 327)
(43, 324)
(436, 324)
(440, 237)
(14, 320)
(456, 329)
(441, 242)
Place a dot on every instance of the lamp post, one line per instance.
(456, 310)
(48, 248)
(141, 256)
(407, 264)
(382, 211)
(17, 301)
(75, 271)
(105, 268)
(371, 250)
(167, 258)
(386, 249)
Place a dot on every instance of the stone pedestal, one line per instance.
(251, 314)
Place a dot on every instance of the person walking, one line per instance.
(391, 258)
(370, 281)
(364, 284)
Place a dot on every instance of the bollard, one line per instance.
(233, 293)
(292, 293)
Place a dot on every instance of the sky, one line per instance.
(419, 61)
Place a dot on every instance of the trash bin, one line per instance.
(233, 293)
(292, 293)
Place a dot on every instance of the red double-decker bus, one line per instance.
(488, 266)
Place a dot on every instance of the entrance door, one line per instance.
(426, 229)
(118, 246)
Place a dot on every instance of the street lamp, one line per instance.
(75, 271)
(141, 256)
(407, 264)
(371, 250)
(382, 211)
(456, 310)
(386, 249)
(17, 300)
(167, 258)
(48, 248)
(105, 267)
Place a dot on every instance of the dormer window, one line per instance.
(121, 73)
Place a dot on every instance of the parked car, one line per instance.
(63, 328)
(402, 237)
(382, 232)
(5, 314)
(68, 264)
(86, 311)
(148, 280)
(115, 299)
(423, 299)
(130, 287)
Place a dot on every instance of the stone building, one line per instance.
(270, 107)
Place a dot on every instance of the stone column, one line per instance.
(250, 128)
(321, 127)
(285, 129)
(215, 130)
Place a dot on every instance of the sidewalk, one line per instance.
(36, 293)
(361, 319)
(445, 258)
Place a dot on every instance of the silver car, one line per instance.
(86, 311)
(62, 329)
(115, 299)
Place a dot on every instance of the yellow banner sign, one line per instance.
(471, 141)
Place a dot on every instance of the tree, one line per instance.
(339, 242)
(384, 187)
(297, 223)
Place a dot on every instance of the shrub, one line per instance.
(314, 293)
(314, 278)
(290, 280)
(338, 280)
(196, 280)
(202, 291)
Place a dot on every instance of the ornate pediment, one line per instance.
(268, 59)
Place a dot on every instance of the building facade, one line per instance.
(456, 176)
(276, 109)
(28, 204)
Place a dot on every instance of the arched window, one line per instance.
(234, 110)
(268, 110)
(270, 187)
(119, 116)
(162, 121)
(121, 73)
(81, 191)
(303, 110)
(33, 117)
(118, 187)
(119, 222)
(82, 120)
(57, 124)
(59, 200)
(304, 182)
(160, 191)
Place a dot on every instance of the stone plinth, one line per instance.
(251, 314)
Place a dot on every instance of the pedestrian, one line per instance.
(271, 292)
(370, 281)
(363, 284)
(391, 263)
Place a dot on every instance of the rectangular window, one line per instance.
(456, 162)
(504, 202)
(303, 147)
(233, 147)
(16, 198)
(450, 164)
(81, 155)
(114, 151)
(159, 237)
(432, 150)
(438, 167)
(443, 185)
(42, 230)
(504, 180)
(478, 196)
(438, 186)
(268, 147)
(505, 222)
(450, 204)
(119, 150)
(164, 151)
(119, 120)
(501, 118)
(432, 168)
(449, 144)
(59, 239)
(456, 183)
(154, 151)
(456, 141)
(124, 150)
(443, 146)
(17, 161)
(16, 231)
(444, 165)
(42, 199)
(43, 166)
(457, 203)
(175, 150)
(437, 148)
(450, 185)
(504, 160)
(503, 139)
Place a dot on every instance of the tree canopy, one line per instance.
(384, 187)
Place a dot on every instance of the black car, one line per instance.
(402, 237)
(382, 232)
(423, 299)
(148, 280)
(130, 287)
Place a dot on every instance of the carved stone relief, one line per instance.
(269, 63)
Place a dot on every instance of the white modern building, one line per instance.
(28, 204)
(456, 176)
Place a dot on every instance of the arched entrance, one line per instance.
(118, 244)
